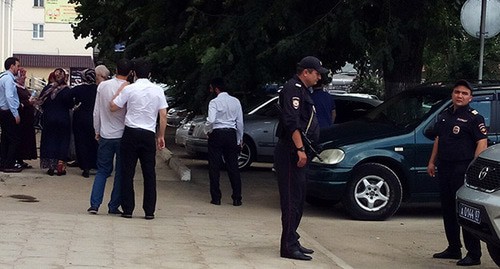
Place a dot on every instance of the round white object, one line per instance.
(470, 17)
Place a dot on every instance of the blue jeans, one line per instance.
(108, 148)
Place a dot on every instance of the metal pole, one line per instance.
(481, 37)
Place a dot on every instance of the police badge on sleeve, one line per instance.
(482, 128)
(295, 102)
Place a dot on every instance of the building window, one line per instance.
(37, 31)
(38, 3)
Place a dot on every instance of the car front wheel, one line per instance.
(245, 158)
(374, 193)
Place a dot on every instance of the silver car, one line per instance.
(186, 129)
(478, 201)
(261, 121)
(176, 115)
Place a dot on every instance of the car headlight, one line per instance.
(330, 156)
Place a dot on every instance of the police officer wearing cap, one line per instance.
(297, 117)
(460, 136)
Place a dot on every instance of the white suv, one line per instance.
(478, 201)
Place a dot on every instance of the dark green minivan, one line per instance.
(374, 163)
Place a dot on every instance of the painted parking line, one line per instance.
(318, 247)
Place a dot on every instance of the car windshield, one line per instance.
(409, 108)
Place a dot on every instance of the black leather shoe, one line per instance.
(86, 173)
(448, 254)
(215, 202)
(296, 255)
(306, 250)
(237, 202)
(126, 215)
(12, 170)
(468, 261)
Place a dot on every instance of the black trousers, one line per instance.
(292, 189)
(451, 178)
(10, 139)
(138, 144)
(222, 143)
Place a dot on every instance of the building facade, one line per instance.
(5, 29)
(41, 36)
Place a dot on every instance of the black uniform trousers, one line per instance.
(138, 144)
(292, 189)
(10, 139)
(451, 178)
(223, 143)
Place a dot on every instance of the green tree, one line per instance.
(253, 42)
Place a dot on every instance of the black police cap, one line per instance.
(311, 62)
(464, 83)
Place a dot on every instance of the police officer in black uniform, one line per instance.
(297, 118)
(460, 136)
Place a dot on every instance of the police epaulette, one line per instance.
(298, 85)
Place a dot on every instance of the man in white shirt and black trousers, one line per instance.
(224, 127)
(145, 101)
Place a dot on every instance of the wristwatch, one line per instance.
(301, 149)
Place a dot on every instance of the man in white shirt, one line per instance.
(109, 128)
(144, 101)
(224, 127)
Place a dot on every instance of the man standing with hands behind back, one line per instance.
(290, 159)
(224, 127)
(460, 137)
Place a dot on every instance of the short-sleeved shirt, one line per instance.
(297, 111)
(144, 99)
(324, 104)
(458, 133)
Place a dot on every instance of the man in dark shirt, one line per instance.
(461, 136)
(324, 104)
(297, 118)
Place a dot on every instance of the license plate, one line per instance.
(469, 213)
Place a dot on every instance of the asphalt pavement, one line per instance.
(44, 224)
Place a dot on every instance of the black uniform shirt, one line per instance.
(458, 133)
(297, 111)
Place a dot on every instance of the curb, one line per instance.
(175, 164)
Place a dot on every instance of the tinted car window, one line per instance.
(355, 110)
(269, 110)
(253, 103)
(483, 105)
(408, 109)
